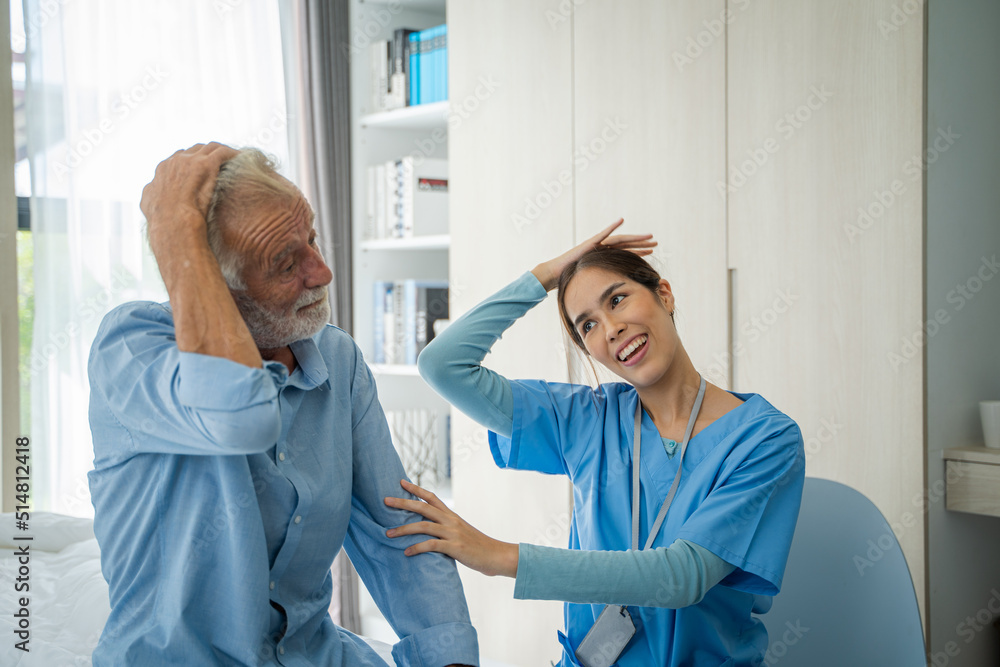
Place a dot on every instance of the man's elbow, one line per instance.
(249, 431)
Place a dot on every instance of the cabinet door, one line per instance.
(649, 140)
(510, 133)
(826, 238)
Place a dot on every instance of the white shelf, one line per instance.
(434, 6)
(394, 369)
(420, 117)
(428, 242)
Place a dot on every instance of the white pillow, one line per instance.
(49, 532)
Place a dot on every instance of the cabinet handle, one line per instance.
(733, 330)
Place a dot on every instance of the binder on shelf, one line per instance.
(414, 83)
(425, 192)
(427, 71)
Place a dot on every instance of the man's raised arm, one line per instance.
(175, 204)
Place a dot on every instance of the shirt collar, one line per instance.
(312, 370)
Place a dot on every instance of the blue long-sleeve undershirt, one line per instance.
(452, 365)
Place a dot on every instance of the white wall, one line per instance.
(963, 357)
(510, 75)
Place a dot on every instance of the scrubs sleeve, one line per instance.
(749, 518)
(556, 427)
(452, 363)
(676, 576)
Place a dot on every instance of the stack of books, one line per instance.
(429, 65)
(405, 312)
(407, 197)
(410, 69)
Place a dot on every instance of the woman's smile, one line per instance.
(633, 350)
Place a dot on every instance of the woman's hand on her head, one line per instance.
(451, 535)
(548, 272)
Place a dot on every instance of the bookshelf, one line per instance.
(421, 117)
(423, 242)
(378, 137)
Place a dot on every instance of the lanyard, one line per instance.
(677, 478)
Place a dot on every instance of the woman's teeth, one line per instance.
(635, 345)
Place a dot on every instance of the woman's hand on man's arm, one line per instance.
(452, 536)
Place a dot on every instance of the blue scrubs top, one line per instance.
(738, 497)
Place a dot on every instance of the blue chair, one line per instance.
(847, 597)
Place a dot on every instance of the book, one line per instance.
(431, 305)
(406, 62)
(370, 205)
(407, 197)
(391, 199)
(381, 288)
(379, 61)
(404, 313)
(398, 67)
(380, 201)
(397, 347)
(414, 68)
(425, 197)
(434, 65)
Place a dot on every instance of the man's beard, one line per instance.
(272, 330)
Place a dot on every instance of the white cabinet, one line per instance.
(822, 298)
(770, 147)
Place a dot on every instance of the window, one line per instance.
(103, 93)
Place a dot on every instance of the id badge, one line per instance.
(607, 639)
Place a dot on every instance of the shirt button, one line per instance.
(298, 519)
(281, 650)
(271, 586)
(281, 456)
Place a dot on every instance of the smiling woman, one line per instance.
(686, 596)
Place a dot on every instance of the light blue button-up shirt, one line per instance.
(222, 494)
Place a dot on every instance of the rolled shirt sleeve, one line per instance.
(174, 402)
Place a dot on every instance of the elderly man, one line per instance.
(239, 443)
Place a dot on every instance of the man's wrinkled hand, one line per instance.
(181, 189)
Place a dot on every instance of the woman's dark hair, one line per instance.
(615, 260)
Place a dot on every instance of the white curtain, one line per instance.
(113, 87)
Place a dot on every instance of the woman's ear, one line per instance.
(666, 295)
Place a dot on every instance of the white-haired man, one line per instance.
(239, 443)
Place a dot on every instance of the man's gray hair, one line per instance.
(244, 184)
